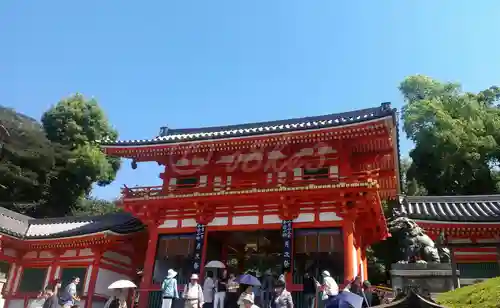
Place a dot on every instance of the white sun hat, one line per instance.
(171, 273)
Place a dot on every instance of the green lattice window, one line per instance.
(4, 269)
(478, 270)
(68, 273)
(32, 280)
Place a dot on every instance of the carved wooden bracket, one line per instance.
(289, 208)
(205, 213)
(153, 218)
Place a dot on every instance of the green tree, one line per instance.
(49, 169)
(411, 187)
(77, 124)
(94, 206)
(456, 136)
(26, 161)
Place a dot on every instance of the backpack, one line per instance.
(115, 303)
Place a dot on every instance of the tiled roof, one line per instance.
(25, 227)
(168, 135)
(482, 208)
(72, 226)
(13, 223)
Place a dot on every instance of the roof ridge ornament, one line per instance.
(163, 131)
(385, 106)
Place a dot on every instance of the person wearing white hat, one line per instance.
(330, 287)
(247, 301)
(193, 294)
(169, 289)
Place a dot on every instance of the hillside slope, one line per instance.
(481, 295)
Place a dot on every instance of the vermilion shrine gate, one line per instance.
(287, 196)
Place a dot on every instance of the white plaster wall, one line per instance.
(18, 280)
(87, 279)
(9, 252)
(106, 277)
(69, 253)
(117, 257)
(86, 252)
(10, 282)
(46, 254)
(16, 303)
(30, 255)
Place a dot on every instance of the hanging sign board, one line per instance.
(198, 248)
(286, 232)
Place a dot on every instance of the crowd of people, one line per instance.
(224, 291)
(54, 296)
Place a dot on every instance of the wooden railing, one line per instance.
(245, 184)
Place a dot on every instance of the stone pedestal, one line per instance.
(431, 277)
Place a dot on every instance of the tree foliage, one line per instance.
(54, 164)
(456, 136)
(27, 159)
(94, 206)
(411, 187)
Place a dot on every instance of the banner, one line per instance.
(198, 248)
(286, 232)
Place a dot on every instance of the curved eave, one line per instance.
(104, 238)
(457, 224)
(119, 231)
(129, 148)
(10, 233)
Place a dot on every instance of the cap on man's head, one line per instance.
(326, 273)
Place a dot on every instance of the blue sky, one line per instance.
(188, 63)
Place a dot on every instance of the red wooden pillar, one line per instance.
(93, 276)
(359, 271)
(365, 263)
(348, 249)
(149, 262)
(11, 281)
(55, 264)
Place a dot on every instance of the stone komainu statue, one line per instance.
(417, 246)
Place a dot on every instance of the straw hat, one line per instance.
(171, 273)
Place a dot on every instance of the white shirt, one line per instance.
(193, 292)
(208, 290)
(330, 286)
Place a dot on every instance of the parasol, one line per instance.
(215, 264)
(345, 299)
(248, 280)
(122, 284)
